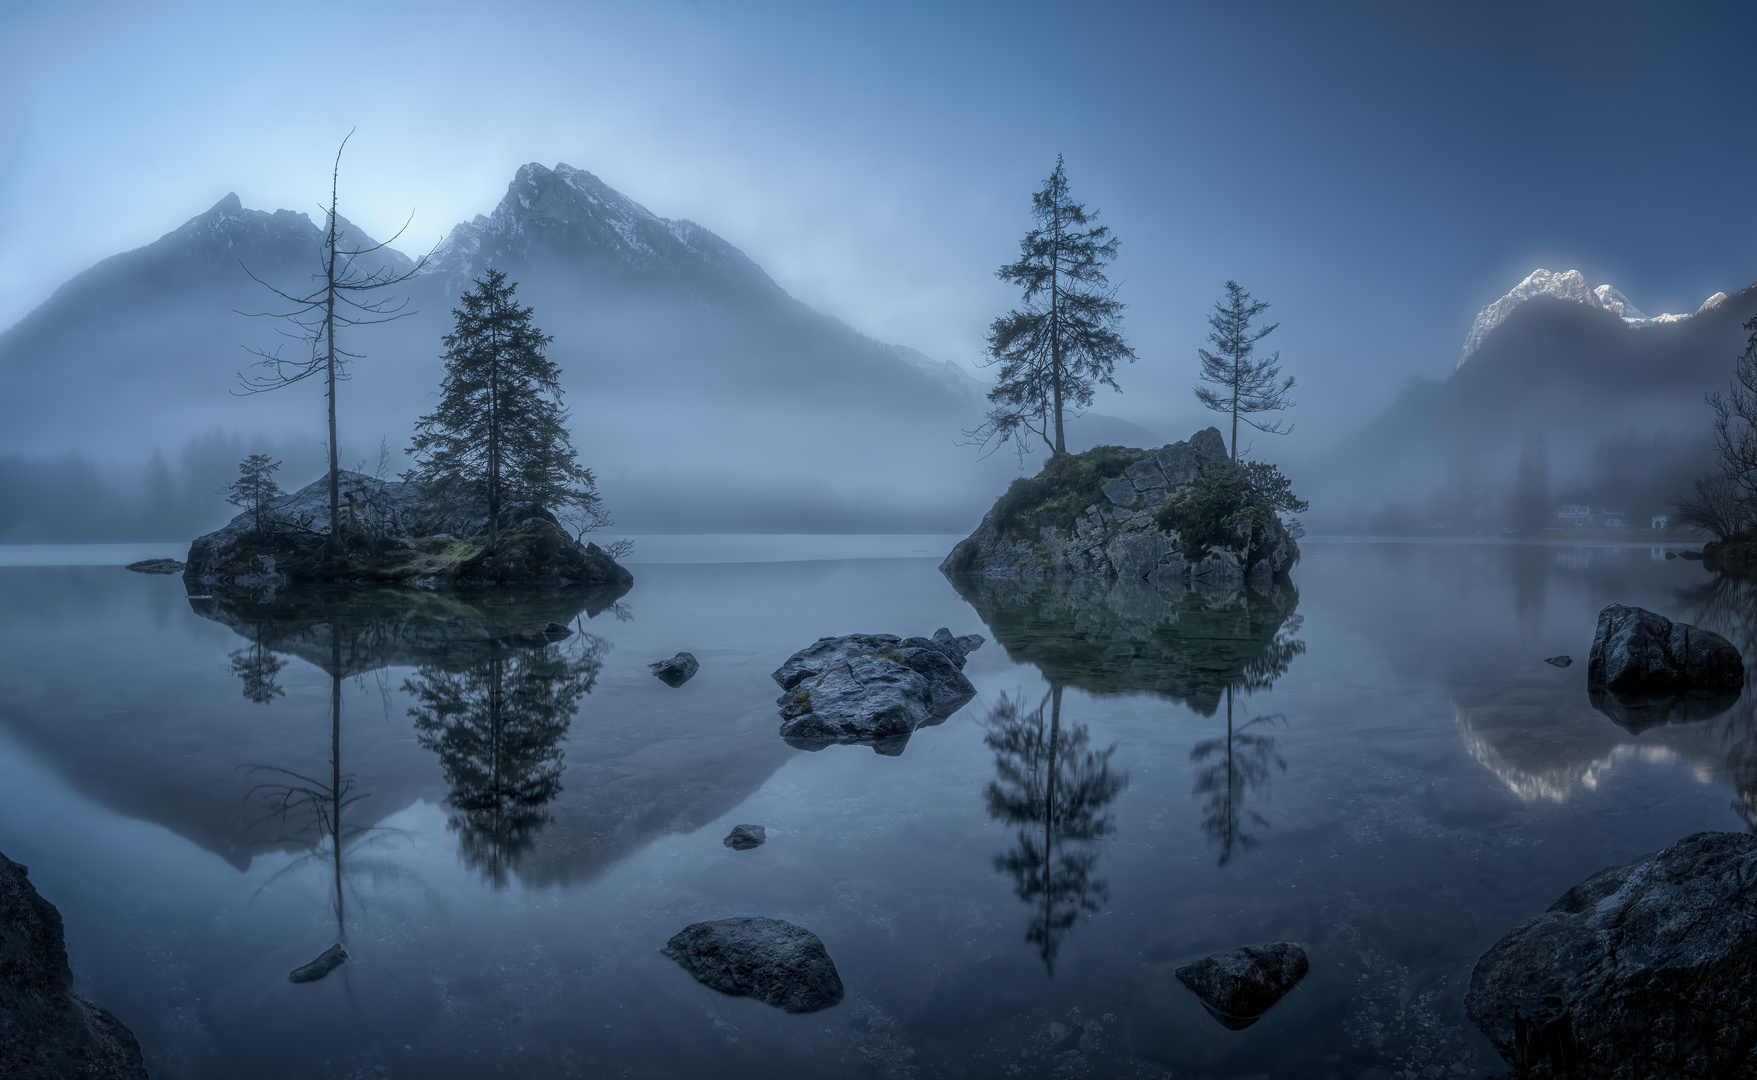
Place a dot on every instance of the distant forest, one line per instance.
(72, 499)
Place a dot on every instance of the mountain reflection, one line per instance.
(1055, 789)
(497, 727)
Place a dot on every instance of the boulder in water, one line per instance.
(155, 566)
(46, 1030)
(771, 960)
(327, 961)
(1635, 651)
(677, 670)
(1239, 985)
(1640, 972)
(745, 837)
(872, 689)
(1559, 661)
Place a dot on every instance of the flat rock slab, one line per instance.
(1635, 651)
(1240, 985)
(1559, 661)
(771, 960)
(327, 961)
(1639, 972)
(677, 670)
(156, 566)
(745, 837)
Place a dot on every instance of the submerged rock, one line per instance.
(677, 670)
(1097, 514)
(47, 1032)
(1239, 985)
(872, 689)
(1559, 661)
(155, 566)
(327, 961)
(1641, 972)
(745, 837)
(771, 960)
(1635, 651)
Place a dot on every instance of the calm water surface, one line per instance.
(505, 831)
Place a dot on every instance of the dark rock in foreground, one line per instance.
(1097, 514)
(47, 1032)
(1239, 985)
(677, 670)
(389, 536)
(745, 837)
(872, 689)
(1640, 972)
(773, 961)
(156, 566)
(1559, 661)
(1635, 651)
(327, 961)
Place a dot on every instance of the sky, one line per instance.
(1376, 172)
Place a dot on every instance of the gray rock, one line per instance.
(677, 670)
(47, 1032)
(1559, 661)
(1635, 651)
(1120, 492)
(327, 961)
(1639, 972)
(771, 960)
(745, 837)
(1180, 462)
(156, 566)
(872, 689)
(1135, 555)
(1239, 985)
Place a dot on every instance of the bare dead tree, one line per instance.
(342, 298)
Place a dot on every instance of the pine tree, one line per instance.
(499, 435)
(1057, 349)
(1247, 386)
(255, 489)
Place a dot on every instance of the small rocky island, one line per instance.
(391, 534)
(1184, 514)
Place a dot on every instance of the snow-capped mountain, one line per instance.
(1567, 285)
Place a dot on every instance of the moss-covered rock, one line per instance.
(1182, 514)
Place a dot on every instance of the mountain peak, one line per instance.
(1567, 285)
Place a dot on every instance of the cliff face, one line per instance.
(47, 1032)
(1115, 512)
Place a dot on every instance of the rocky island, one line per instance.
(1184, 514)
(392, 535)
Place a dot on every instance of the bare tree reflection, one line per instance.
(497, 726)
(1055, 789)
(1232, 765)
(1727, 604)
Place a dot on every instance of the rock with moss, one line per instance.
(391, 535)
(1184, 514)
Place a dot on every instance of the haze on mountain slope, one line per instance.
(703, 395)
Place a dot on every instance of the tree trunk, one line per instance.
(494, 438)
(329, 320)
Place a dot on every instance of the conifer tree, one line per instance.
(499, 435)
(1055, 350)
(255, 489)
(1247, 386)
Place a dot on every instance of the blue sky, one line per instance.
(1377, 172)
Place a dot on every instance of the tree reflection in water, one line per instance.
(1055, 789)
(1231, 766)
(256, 667)
(497, 727)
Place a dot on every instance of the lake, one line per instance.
(503, 830)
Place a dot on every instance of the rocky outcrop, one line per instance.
(677, 670)
(1118, 534)
(1239, 985)
(155, 566)
(872, 689)
(1635, 651)
(1640, 972)
(771, 960)
(390, 535)
(47, 1032)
